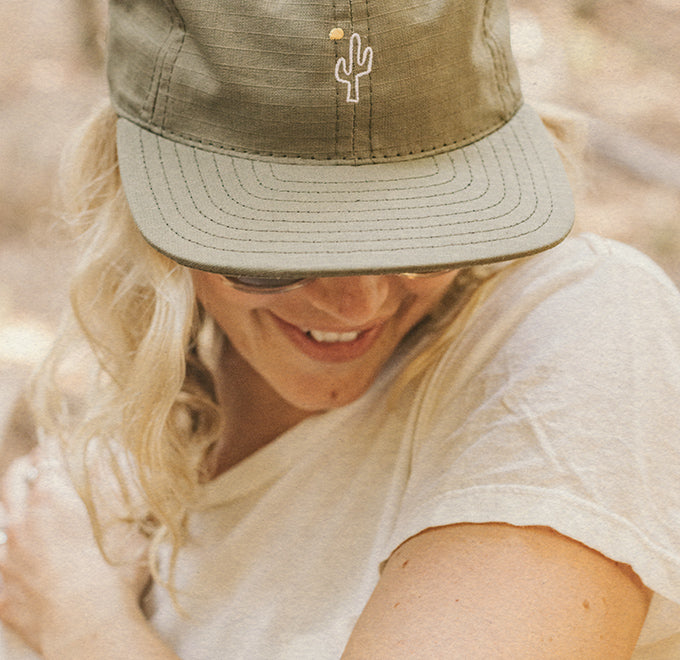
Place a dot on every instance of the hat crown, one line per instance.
(368, 80)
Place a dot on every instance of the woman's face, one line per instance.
(322, 345)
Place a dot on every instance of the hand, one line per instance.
(57, 587)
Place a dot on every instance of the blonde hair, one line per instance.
(148, 409)
(148, 404)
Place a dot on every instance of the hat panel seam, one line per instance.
(353, 106)
(336, 50)
(152, 95)
(370, 83)
(128, 101)
(149, 107)
(500, 66)
(493, 49)
(170, 61)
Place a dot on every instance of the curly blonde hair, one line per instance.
(148, 403)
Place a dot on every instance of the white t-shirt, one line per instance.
(556, 404)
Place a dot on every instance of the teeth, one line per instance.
(331, 337)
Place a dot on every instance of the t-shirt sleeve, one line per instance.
(557, 404)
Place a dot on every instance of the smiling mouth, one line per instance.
(329, 345)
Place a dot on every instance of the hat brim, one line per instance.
(501, 197)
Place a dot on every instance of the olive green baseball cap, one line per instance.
(296, 138)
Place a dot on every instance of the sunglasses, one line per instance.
(280, 285)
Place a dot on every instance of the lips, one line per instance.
(331, 346)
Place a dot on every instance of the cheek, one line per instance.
(219, 300)
(236, 314)
(231, 310)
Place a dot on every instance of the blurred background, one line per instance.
(614, 62)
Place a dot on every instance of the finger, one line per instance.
(19, 477)
(48, 454)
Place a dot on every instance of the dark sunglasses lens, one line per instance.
(263, 282)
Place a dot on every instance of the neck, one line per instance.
(255, 414)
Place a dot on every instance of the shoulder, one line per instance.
(590, 313)
(551, 406)
(589, 260)
(563, 355)
(588, 290)
(469, 590)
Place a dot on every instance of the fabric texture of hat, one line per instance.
(330, 137)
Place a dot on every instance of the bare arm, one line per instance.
(497, 591)
(121, 635)
(59, 594)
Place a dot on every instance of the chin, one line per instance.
(325, 399)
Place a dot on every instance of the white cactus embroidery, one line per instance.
(359, 63)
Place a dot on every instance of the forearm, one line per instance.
(59, 594)
(124, 635)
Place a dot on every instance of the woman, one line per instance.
(342, 434)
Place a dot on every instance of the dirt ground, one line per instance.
(614, 62)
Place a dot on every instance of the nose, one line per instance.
(354, 300)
